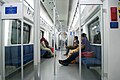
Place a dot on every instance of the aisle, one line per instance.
(66, 72)
(62, 72)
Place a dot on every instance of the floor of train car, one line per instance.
(62, 72)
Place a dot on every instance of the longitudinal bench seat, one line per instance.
(96, 60)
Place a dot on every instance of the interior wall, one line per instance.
(0, 46)
(113, 46)
(72, 11)
(70, 39)
(77, 33)
(45, 16)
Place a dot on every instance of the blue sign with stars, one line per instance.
(113, 24)
(10, 10)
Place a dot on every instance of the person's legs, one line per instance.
(49, 50)
(67, 51)
(72, 57)
(69, 59)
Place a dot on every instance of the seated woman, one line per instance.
(44, 42)
(49, 52)
(85, 46)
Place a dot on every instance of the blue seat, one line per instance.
(31, 48)
(13, 55)
(26, 49)
(93, 62)
(16, 62)
(16, 55)
(8, 56)
(26, 52)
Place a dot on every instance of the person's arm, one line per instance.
(82, 46)
(83, 43)
(43, 43)
(75, 50)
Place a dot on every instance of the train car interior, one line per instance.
(57, 40)
(59, 23)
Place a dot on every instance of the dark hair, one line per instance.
(83, 35)
(76, 37)
(42, 33)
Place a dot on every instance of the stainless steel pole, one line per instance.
(22, 40)
(37, 60)
(54, 17)
(80, 40)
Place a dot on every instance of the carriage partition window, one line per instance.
(16, 32)
(94, 31)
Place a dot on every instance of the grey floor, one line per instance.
(61, 72)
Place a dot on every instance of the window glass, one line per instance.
(16, 32)
(94, 32)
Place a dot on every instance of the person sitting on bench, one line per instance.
(85, 44)
(75, 45)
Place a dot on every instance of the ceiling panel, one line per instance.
(62, 9)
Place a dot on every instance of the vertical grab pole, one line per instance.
(2, 50)
(22, 40)
(61, 41)
(36, 34)
(79, 40)
(102, 40)
(54, 9)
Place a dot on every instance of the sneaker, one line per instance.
(65, 55)
(61, 62)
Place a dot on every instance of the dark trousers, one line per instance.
(71, 58)
(68, 49)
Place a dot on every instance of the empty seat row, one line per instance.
(13, 55)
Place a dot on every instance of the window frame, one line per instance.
(18, 35)
(92, 24)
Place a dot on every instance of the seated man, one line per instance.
(85, 46)
(73, 51)
(75, 45)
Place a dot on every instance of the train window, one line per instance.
(16, 32)
(94, 32)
